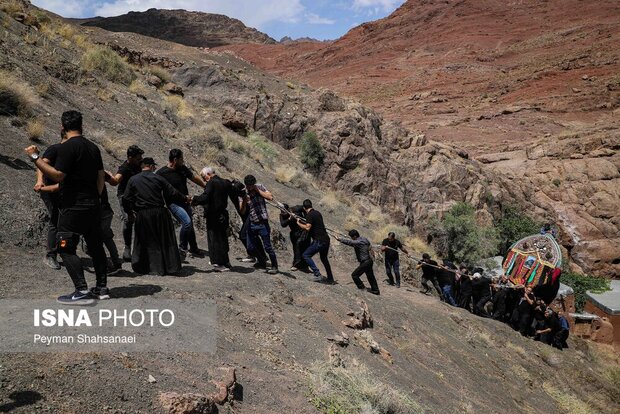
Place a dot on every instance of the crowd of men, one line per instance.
(72, 182)
(527, 310)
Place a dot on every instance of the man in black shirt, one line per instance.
(128, 169)
(429, 274)
(390, 247)
(215, 201)
(50, 199)
(481, 292)
(363, 254)
(80, 170)
(155, 246)
(465, 289)
(177, 174)
(300, 239)
(320, 242)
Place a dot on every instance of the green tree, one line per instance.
(458, 236)
(311, 152)
(514, 225)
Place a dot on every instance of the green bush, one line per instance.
(311, 152)
(582, 284)
(460, 238)
(107, 63)
(513, 226)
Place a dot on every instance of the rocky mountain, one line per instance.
(184, 27)
(497, 79)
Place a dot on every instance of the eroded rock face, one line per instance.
(576, 183)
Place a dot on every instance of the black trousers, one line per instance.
(499, 304)
(51, 204)
(479, 303)
(365, 267)
(465, 300)
(82, 221)
(127, 225)
(217, 240)
(300, 244)
(433, 280)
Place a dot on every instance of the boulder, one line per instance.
(175, 403)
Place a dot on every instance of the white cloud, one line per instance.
(65, 8)
(313, 18)
(252, 13)
(375, 5)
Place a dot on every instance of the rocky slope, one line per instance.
(184, 27)
(273, 330)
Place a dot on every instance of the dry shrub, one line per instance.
(11, 7)
(105, 95)
(35, 129)
(138, 88)
(567, 402)
(285, 174)
(402, 232)
(112, 144)
(66, 31)
(178, 106)
(160, 72)
(416, 244)
(16, 96)
(43, 89)
(331, 200)
(376, 215)
(82, 42)
(352, 221)
(355, 390)
(31, 38)
(105, 62)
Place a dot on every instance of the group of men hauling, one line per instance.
(527, 310)
(72, 182)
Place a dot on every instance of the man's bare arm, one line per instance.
(115, 179)
(265, 194)
(198, 181)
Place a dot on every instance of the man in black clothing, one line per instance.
(481, 292)
(552, 332)
(429, 274)
(500, 290)
(300, 239)
(446, 278)
(51, 200)
(362, 251)
(79, 168)
(155, 246)
(523, 314)
(177, 174)
(390, 247)
(465, 289)
(320, 243)
(215, 198)
(128, 169)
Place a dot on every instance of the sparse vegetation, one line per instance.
(105, 95)
(113, 145)
(106, 62)
(557, 182)
(513, 226)
(311, 153)
(16, 96)
(11, 7)
(266, 150)
(178, 106)
(356, 391)
(35, 129)
(160, 72)
(285, 174)
(460, 238)
(567, 402)
(43, 89)
(66, 31)
(581, 284)
(138, 87)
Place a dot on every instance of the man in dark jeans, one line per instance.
(80, 169)
(128, 169)
(259, 232)
(320, 243)
(177, 174)
(362, 252)
(390, 247)
(50, 199)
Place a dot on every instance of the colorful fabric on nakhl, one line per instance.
(532, 260)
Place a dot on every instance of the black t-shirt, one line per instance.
(177, 177)
(481, 287)
(127, 170)
(390, 254)
(51, 153)
(428, 271)
(81, 161)
(317, 231)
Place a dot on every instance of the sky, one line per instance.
(319, 19)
